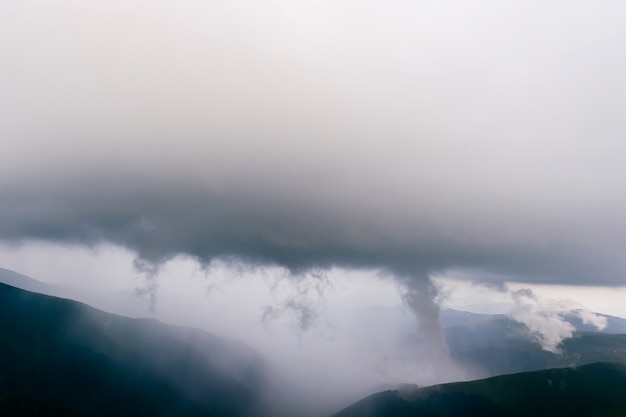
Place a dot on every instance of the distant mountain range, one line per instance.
(490, 325)
(495, 344)
(593, 390)
(63, 358)
(26, 283)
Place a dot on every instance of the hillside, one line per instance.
(495, 344)
(493, 324)
(60, 357)
(23, 282)
(593, 390)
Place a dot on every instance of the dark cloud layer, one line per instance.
(159, 223)
(416, 140)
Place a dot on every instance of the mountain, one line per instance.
(495, 344)
(486, 345)
(593, 390)
(494, 323)
(15, 279)
(505, 356)
(60, 357)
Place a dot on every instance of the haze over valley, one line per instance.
(346, 196)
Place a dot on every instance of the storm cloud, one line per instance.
(410, 137)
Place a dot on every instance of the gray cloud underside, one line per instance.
(160, 222)
(411, 138)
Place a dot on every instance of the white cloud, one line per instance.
(545, 318)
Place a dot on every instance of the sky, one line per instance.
(441, 147)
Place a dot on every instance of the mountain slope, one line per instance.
(493, 324)
(512, 356)
(61, 355)
(495, 344)
(23, 282)
(592, 390)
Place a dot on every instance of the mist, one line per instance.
(331, 338)
(297, 139)
(352, 346)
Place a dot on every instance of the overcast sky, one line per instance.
(477, 140)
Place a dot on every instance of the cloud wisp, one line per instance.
(545, 318)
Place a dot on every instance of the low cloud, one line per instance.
(546, 320)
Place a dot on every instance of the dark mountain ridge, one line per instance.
(57, 354)
(593, 390)
(60, 357)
